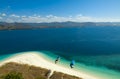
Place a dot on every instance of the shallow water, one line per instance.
(100, 72)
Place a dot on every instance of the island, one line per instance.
(67, 24)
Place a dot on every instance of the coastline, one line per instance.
(33, 58)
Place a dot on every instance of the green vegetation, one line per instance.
(24, 71)
(13, 75)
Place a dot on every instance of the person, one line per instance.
(72, 64)
(57, 59)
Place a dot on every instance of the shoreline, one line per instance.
(36, 59)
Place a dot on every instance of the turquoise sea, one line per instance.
(96, 50)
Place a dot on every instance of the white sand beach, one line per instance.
(32, 58)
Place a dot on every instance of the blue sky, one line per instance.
(74, 10)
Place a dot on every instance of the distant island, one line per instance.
(18, 26)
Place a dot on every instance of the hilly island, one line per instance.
(69, 24)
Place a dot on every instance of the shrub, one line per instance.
(13, 75)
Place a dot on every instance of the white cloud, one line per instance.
(13, 15)
(51, 18)
(39, 16)
(3, 14)
(79, 15)
(23, 16)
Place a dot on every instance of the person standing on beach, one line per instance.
(72, 64)
(57, 59)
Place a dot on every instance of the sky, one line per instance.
(59, 10)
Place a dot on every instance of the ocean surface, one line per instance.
(96, 50)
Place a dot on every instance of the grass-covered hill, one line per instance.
(23, 71)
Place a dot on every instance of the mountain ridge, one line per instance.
(16, 25)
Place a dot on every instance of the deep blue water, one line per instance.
(98, 46)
